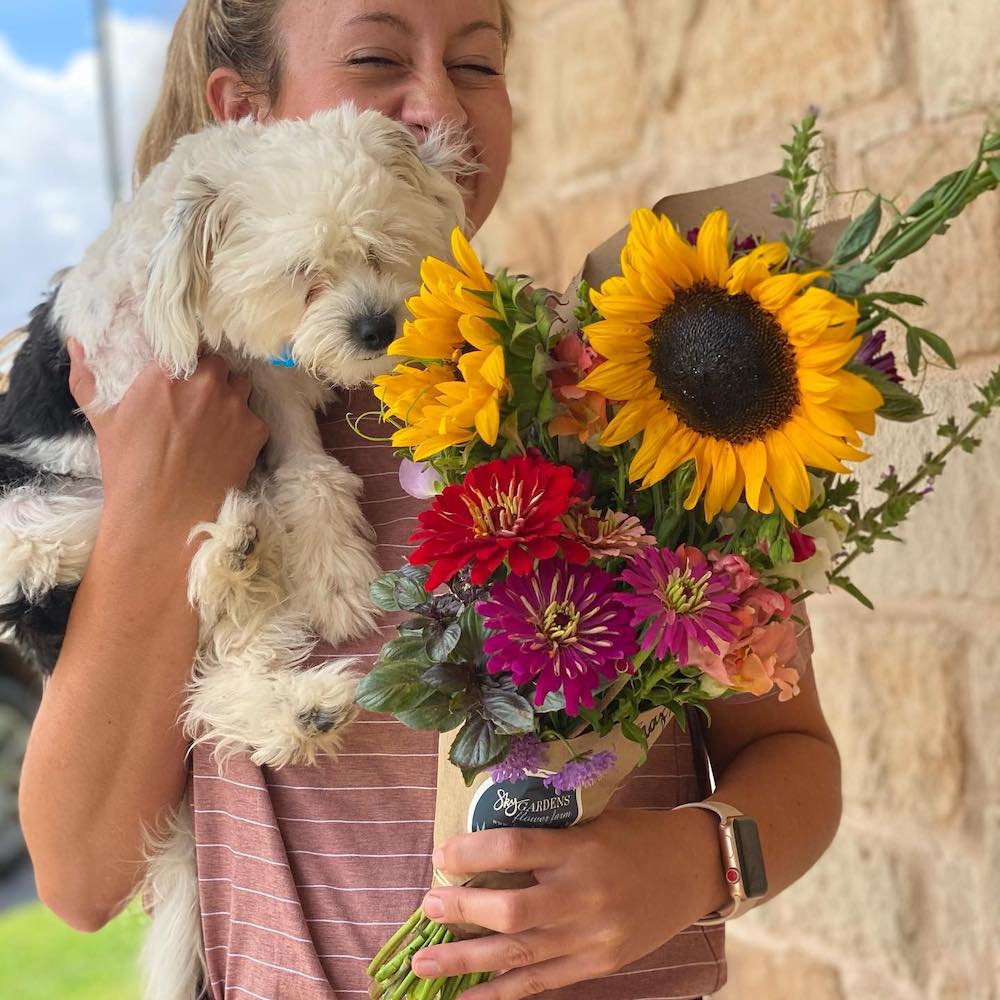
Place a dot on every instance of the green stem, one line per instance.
(389, 947)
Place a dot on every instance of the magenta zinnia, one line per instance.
(683, 598)
(563, 627)
(509, 509)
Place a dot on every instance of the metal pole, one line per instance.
(107, 98)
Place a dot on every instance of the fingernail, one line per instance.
(438, 858)
(426, 968)
(433, 907)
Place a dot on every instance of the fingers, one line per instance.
(534, 979)
(491, 954)
(81, 380)
(508, 911)
(513, 849)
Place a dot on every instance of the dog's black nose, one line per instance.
(374, 333)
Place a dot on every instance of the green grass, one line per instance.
(43, 959)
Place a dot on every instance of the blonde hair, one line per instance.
(209, 34)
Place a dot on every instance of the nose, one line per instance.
(432, 98)
(374, 333)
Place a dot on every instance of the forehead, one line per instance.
(320, 23)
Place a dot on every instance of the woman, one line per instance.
(304, 871)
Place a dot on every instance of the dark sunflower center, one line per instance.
(724, 364)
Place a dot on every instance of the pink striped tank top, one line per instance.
(304, 871)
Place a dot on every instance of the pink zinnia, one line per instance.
(684, 600)
(563, 627)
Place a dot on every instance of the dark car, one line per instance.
(20, 693)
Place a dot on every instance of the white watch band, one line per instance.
(730, 861)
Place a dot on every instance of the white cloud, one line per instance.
(53, 185)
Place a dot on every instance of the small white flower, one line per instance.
(828, 531)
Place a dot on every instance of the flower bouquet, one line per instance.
(635, 486)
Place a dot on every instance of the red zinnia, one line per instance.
(509, 509)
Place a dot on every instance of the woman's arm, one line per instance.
(106, 755)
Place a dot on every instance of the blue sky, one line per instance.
(47, 32)
(54, 192)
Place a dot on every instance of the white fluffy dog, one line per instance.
(298, 238)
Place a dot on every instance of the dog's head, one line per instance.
(303, 236)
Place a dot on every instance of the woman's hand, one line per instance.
(608, 893)
(172, 448)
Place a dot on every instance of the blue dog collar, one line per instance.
(284, 359)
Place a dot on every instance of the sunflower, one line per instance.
(448, 312)
(726, 363)
(453, 389)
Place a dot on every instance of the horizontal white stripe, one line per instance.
(351, 958)
(268, 965)
(357, 923)
(229, 987)
(387, 754)
(243, 854)
(259, 927)
(241, 819)
(394, 545)
(252, 892)
(368, 888)
(351, 822)
(324, 854)
(374, 475)
(317, 788)
(398, 520)
(662, 968)
(368, 503)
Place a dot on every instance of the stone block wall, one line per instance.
(618, 102)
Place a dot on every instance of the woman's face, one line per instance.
(418, 61)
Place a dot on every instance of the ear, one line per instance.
(178, 276)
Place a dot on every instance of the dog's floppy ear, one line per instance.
(178, 276)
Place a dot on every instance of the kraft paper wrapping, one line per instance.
(749, 206)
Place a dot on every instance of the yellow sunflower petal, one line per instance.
(468, 261)
(753, 460)
(829, 356)
(774, 293)
(713, 247)
(680, 447)
(786, 472)
(617, 381)
(855, 394)
(629, 420)
(478, 332)
(723, 476)
(812, 452)
(702, 467)
(488, 420)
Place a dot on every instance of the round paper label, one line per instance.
(522, 803)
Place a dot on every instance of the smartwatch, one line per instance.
(742, 859)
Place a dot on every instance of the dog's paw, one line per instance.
(236, 574)
(281, 715)
(328, 546)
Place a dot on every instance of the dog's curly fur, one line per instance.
(250, 240)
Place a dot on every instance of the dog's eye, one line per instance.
(373, 261)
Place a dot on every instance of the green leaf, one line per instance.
(937, 344)
(632, 732)
(858, 234)
(899, 404)
(435, 713)
(383, 592)
(470, 645)
(448, 677)
(410, 593)
(555, 701)
(477, 745)
(404, 647)
(393, 687)
(914, 352)
(853, 279)
(509, 711)
(846, 584)
(442, 639)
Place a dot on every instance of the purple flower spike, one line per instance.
(524, 757)
(564, 626)
(581, 772)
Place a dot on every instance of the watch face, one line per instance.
(751, 856)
